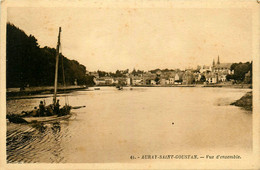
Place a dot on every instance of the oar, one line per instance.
(77, 107)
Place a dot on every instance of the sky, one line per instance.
(142, 38)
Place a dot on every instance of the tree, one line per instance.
(90, 80)
(134, 72)
(233, 66)
(230, 77)
(126, 71)
(157, 80)
(240, 70)
(27, 63)
(101, 73)
(203, 78)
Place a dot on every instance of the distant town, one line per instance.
(216, 73)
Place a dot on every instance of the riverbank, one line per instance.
(16, 92)
(245, 101)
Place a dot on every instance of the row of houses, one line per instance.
(112, 81)
(209, 74)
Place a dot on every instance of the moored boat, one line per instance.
(119, 87)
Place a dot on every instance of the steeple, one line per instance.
(213, 64)
(218, 60)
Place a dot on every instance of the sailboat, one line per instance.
(63, 113)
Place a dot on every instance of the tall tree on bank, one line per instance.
(240, 71)
(28, 64)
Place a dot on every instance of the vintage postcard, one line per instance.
(130, 84)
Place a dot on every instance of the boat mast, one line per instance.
(56, 68)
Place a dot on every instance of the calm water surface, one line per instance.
(117, 124)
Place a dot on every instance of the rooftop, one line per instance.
(223, 65)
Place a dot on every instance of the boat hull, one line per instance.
(46, 119)
(17, 119)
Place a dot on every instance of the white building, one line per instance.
(171, 80)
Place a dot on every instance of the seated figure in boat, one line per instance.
(57, 108)
(34, 113)
(41, 109)
(49, 110)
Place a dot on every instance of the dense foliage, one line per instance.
(28, 64)
(118, 73)
(242, 72)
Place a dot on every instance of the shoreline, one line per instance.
(245, 101)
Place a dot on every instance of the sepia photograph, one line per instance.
(131, 83)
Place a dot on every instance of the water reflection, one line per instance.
(39, 126)
(56, 127)
(37, 142)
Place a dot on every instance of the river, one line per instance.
(143, 120)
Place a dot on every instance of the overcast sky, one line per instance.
(145, 38)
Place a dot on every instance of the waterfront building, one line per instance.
(222, 78)
(99, 81)
(109, 80)
(115, 81)
(122, 80)
(211, 78)
(153, 82)
(148, 77)
(162, 81)
(104, 81)
(171, 80)
(136, 80)
(128, 81)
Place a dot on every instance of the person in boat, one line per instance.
(49, 110)
(30, 113)
(34, 112)
(57, 108)
(42, 109)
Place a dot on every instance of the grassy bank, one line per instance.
(245, 101)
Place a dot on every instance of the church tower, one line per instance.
(218, 60)
(213, 64)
